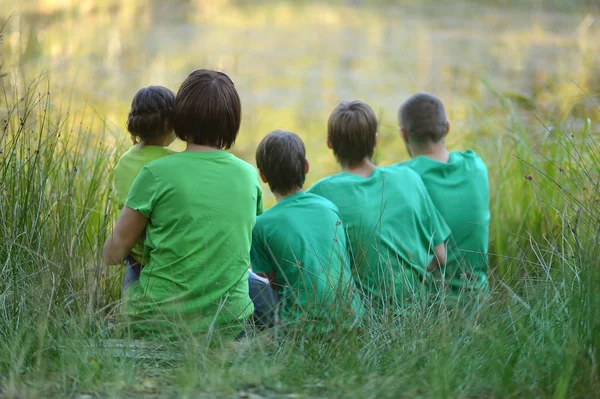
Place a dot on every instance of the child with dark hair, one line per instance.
(458, 185)
(395, 234)
(299, 244)
(198, 208)
(150, 123)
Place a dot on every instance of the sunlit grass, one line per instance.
(536, 335)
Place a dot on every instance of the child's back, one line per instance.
(460, 191)
(129, 166)
(392, 228)
(458, 185)
(302, 239)
(299, 243)
(150, 126)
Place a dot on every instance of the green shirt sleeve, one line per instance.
(259, 255)
(439, 230)
(142, 194)
(119, 185)
(259, 203)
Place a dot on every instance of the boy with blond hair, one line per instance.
(394, 231)
(458, 185)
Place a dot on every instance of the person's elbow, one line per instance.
(441, 254)
(439, 257)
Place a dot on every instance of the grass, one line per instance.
(538, 334)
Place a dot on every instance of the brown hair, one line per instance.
(352, 130)
(151, 113)
(208, 110)
(281, 157)
(423, 117)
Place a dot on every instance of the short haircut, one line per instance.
(352, 130)
(423, 117)
(208, 110)
(151, 113)
(281, 157)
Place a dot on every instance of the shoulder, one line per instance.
(325, 184)
(400, 170)
(160, 161)
(243, 165)
(267, 221)
(125, 159)
(471, 158)
(402, 179)
(468, 155)
(323, 202)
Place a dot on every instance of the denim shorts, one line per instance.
(132, 272)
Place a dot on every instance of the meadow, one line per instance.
(537, 335)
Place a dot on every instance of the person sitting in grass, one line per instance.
(299, 244)
(458, 185)
(150, 123)
(395, 232)
(198, 208)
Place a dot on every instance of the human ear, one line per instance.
(262, 176)
(376, 139)
(447, 128)
(306, 166)
(404, 135)
(329, 145)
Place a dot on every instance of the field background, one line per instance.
(520, 80)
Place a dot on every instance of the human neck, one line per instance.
(279, 197)
(436, 151)
(364, 169)
(160, 141)
(191, 147)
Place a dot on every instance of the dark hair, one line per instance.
(352, 129)
(281, 157)
(208, 110)
(151, 113)
(423, 117)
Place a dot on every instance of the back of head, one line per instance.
(281, 157)
(423, 117)
(208, 110)
(352, 131)
(151, 113)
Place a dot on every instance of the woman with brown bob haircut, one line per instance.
(198, 208)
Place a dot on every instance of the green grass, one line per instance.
(538, 334)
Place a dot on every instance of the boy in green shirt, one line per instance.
(394, 231)
(150, 123)
(458, 185)
(299, 243)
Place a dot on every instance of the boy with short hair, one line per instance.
(299, 243)
(394, 230)
(458, 185)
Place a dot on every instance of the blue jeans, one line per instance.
(265, 301)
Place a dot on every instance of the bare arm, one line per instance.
(439, 257)
(130, 226)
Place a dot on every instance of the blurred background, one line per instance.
(293, 61)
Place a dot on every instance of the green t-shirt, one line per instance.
(129, 166)
(392, 228)
(460, 191)
(202, 207)
(302, 240)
